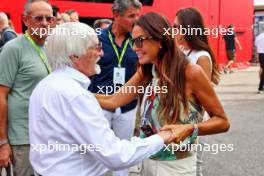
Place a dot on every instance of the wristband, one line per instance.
(2, 142)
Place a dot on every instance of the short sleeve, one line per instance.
(9, 64)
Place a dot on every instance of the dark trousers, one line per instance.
(8, 171)
(261, 61)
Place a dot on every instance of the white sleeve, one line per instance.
(87, 125)
(256, 42)
(204, 53)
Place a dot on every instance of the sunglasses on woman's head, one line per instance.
(139, 41)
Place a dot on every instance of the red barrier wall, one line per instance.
(215, 12)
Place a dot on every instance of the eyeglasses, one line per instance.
(49, 19)
(139, 41)
(99, 46)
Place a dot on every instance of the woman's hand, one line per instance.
(179, 132)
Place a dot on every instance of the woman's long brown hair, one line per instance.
(192, 18)
(171, 67)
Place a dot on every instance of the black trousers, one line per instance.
(261, 61)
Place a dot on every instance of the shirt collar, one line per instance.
(128, 35)
(78, 76)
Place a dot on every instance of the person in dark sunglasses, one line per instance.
(138, 42)
(22, 64)
(161, 63)
(39, 23)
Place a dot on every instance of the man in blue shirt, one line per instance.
(118, 65)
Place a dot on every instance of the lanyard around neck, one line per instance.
(120, 58)
(41, 55)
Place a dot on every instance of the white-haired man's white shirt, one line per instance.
(63, 115)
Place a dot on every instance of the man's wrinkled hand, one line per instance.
(167, 136)
(5, 155)
(179, 132)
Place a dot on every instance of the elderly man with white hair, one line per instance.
(68, 133)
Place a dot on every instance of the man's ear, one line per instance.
(116, 15)
(75, 59)
(25, 20)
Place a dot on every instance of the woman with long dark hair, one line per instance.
(172, 95)
(195, 44)
(196, 47)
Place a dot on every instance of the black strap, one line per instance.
(189, 53)
(7, 169)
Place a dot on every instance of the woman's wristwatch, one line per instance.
(4, 141)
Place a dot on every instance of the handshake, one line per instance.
(176, 133)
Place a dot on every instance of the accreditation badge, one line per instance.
(119, 75)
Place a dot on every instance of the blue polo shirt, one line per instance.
(103, 83)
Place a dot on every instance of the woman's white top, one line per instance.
(195, 55)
